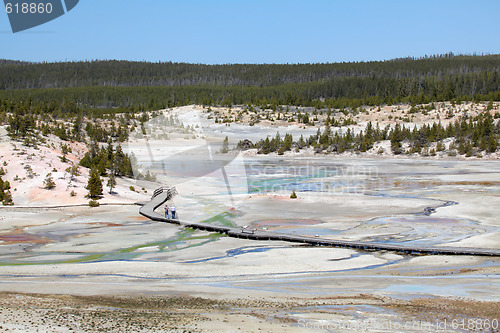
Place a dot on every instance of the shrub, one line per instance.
(93, 203)
(49, 183)
(29, 172)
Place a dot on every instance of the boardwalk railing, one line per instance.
(170, 190)
(164, 194)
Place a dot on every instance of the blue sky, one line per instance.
(267, 31)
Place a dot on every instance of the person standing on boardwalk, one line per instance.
(172, 209)
(166, 211)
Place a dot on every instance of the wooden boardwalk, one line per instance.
(162, 195)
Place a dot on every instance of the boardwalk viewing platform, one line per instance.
(162, 195)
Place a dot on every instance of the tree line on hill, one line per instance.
(472, 135)
(28, 75)
(139, 86)
(24, 117)
(350, 93)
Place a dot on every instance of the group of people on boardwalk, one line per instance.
(172, 211)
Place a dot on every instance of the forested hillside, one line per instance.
(109, 84)
(23, 75)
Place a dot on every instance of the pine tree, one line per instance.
(122, 165)
(301, 142)
(94, 185)
(266, 146)
(492, 144)
(324, 139)
(5, 195)
(287, 142)
(225, 145)
(111, 182)
(73, 171)
(49, 182)
(397, 136)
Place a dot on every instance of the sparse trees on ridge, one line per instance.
(471, 135)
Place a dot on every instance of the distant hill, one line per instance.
(431, 78)
(25, 75)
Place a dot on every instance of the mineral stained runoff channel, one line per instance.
(163, 194)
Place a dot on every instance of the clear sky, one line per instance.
(258, 31)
